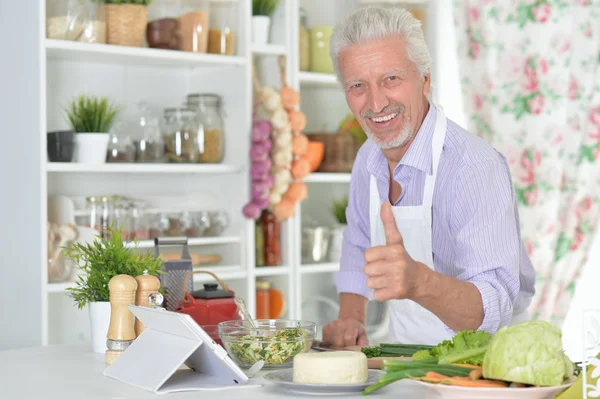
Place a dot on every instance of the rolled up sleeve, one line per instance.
(485, 228)
(351, 277)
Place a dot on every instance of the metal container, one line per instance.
(315, 244)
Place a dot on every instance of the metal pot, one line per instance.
(315, 244)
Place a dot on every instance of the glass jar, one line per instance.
(93, 213)
(223, 27)
(162, 26)
(271, 239)
(148, 142)
(121, 221)
(211, 137)
(263, 293)
(77, 20)
(193, 26)
(304, 42)
(140, 229)
(120, 146)
(106, 216)
(181, 135)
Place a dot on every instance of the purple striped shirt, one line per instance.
(476, 232)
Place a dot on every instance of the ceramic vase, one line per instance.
(90, 148)
(99, 322)
(261, 26)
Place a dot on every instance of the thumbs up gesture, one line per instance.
(391, 272)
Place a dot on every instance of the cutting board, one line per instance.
(373, 362)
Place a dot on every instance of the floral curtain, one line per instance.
(531, 85)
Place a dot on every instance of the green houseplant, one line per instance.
(126, 22)
(99, 261)
(262, 10)
(91, 118)
(338, 208)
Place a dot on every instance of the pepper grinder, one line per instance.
(146, 285)
(121, 332)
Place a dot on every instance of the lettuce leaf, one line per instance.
(461, 343)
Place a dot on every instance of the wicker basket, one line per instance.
(126, 24)
(340, 151)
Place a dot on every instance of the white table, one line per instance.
(76, 372)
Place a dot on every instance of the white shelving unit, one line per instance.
(47, 73)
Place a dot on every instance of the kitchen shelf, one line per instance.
(319, 268)
(194, 241)
(268, 49)
(72, 167)
(267, 271)
(125, 55)
(317, 79)
(327, 178)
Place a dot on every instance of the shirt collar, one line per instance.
(418, 154)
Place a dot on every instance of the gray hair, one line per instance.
(373, 23)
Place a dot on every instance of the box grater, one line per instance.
(174, 271)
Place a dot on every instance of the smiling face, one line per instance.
(384, 90)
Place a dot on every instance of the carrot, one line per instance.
(434, 375)
(476, 374)
(465, 382)
(471, 366)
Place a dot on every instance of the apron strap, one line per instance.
(439, 135)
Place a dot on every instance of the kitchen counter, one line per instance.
(76, 372)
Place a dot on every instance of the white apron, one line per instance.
(409, 322)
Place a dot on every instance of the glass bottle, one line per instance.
(193, 26)
(272, 247)
(211, 137)
(181, 136)
(106, 215)
(259, 244)
(263, 306)
(93, 216)
(304, 42)
(223, 27)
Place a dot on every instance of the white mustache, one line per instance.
(386, 110)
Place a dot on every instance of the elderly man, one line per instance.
(433, 227)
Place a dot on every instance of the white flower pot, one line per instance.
(335, 243)
(99, 322)
(261, 26)
(90, 148)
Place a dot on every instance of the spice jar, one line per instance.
(263, 305)
(304, 42)
(193, 26)
(272, 248)
(223, 27)
(211, 138)
(181, 135)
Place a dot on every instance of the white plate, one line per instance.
(285, 379)
(454, 392)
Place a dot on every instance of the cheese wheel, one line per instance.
(335, 367)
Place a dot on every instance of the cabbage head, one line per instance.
(530, 353)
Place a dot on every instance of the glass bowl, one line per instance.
(274, 341)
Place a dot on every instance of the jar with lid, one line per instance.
(106, 216)
(120, 145)
(211, 137)
(304, 42)
(121, 220)
(193, 26)
(272, 247)
(140, 228)
(223, 27)
(263, 293)
(162, 26)
(148, 142)
(181, 135)
(76, 20)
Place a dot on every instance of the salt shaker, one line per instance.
(146, 284)
(121, 332)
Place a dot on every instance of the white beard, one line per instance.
(404, 137)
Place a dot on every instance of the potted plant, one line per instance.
(262, 10)
(126, 22)
(91, 119)
(338, 209)
(99, 261)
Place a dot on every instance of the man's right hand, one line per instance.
(345, 332)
